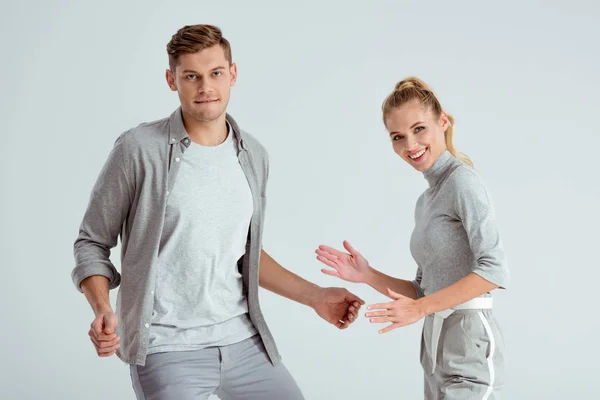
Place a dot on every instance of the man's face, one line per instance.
(203, 81)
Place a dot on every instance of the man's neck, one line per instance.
(210, 133)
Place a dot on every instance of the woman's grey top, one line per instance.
(455, 231)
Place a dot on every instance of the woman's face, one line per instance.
(416, 134)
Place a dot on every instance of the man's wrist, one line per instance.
(314, 296)
(102, 309)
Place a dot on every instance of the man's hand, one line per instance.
(337, 306)
(102, 334)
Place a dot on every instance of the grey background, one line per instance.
(520, 78)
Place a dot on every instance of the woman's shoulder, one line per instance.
(465, 177)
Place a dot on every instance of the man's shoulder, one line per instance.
(146, 133)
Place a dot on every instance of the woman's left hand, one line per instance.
(400, 312)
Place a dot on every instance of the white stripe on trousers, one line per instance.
(490, 361)
(481, 303)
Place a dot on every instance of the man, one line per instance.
(187, 196)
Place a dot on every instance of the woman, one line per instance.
(458, 251)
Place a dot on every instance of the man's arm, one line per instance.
(336, 305)
(279, 280)
(107, 209)
(96, 290)
(94, 274)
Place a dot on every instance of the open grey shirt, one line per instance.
(129, 200)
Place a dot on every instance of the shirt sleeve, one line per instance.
(417, 283)
(475, 210)
(103, 220)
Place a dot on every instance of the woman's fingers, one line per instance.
(332, 251)
(330, 272)
(389, 328)
(385, 313)
(327, 255)
(380, 320)
(328, 262)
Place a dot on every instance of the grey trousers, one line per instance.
(234, 372)
(470, 357)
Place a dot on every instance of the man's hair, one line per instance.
(194, 38)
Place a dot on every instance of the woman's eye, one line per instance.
(397, 137)
(419, 129)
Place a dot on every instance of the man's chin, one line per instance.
(204, 116)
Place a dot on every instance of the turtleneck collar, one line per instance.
(439, 168)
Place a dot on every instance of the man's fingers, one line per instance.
(354, 298)
(105, 347)
(108, 351)
(342, 324)
(101, 336)
(102, 344)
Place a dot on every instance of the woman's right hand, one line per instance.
(351, 267)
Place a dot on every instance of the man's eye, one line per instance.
(190, 77)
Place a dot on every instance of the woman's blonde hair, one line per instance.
(414, 88)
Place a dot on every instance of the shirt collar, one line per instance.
(177, 131)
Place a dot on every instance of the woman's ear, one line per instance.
(444, 121)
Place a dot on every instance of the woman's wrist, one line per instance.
(370, 276)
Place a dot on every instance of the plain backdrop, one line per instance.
(521, 78)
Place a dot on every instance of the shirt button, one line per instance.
(168, 192)
(173, 140)
(177, 159)
(152, 292)
(147, 325)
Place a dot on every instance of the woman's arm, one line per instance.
(381, 282)
(353, 267)
(465, 289)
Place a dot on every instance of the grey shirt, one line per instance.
(199, 299)
(129, 200)
(455, 232)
